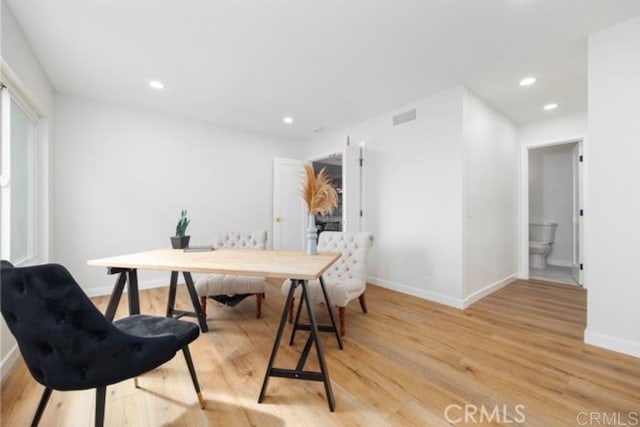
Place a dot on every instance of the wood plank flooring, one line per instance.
(404, 363)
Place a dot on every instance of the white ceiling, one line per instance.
(247, 63)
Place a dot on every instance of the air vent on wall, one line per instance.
(405, 117)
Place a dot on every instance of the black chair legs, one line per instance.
(44, 293)
(192, 372)
(46, 394)
(101, 393)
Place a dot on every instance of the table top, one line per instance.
(243, 262)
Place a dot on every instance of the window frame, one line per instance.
(7, 96)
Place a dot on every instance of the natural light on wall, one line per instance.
(18, 183)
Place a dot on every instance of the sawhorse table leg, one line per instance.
(299, 372)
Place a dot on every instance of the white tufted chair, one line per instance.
(230, 289)
(345, 280)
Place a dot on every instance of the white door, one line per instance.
(577, 213)
(351, 186)
(288, 207)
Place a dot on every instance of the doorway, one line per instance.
(289, 212)
(554, 212)
(332, 166)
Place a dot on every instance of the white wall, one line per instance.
(122, 176)
(31, 83)
(551, 196)
(421, 181)
(17, 53)
(611, 251)
(491, 199)
(412, 196)
(568, 128)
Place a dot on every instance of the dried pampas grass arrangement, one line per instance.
(318, 193)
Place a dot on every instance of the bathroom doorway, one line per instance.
(554, 212)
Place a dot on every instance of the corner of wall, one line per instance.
(488, 290)
(611, 164)
(489, 137)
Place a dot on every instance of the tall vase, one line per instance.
(312, 236)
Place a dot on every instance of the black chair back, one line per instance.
(66, 343)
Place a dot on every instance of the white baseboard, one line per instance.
(147, 284)
(608, 342)
(9, 360)
(420, 293)
(440, 298)
(478, 295)
(559, 262)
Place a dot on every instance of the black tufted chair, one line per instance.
(68, 344)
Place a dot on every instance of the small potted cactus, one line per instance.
(180, 240)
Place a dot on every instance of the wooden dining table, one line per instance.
(294, 265)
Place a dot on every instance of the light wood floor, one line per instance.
(403, 364)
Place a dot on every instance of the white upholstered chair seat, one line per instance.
(346, 279)
(231, 289)
(340, 292)
(225, 284)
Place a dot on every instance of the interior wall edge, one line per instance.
(611, 342)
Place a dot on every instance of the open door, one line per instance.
(577, 213)
(288, 207)
(289, 212)
(351, 186)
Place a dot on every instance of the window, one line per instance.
(18, 202)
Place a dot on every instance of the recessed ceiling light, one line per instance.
(550, 107)
(156, 84)
(527, 81)
(288, 120)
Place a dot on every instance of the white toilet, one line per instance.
(541, 238)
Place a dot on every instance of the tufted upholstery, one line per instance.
(67, 344)
(241, 239)
(346, 279)
(227, 284)
(231, 289)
